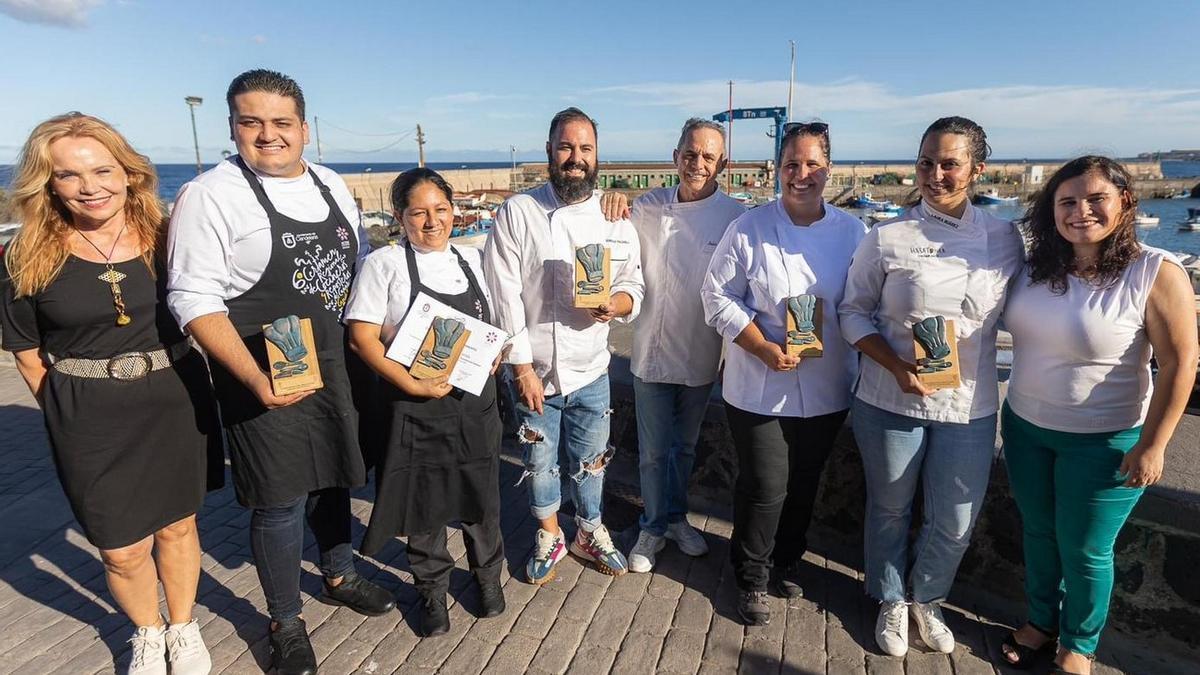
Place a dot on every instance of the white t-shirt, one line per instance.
(922, 264)
(1081, 360)
(671, 342)
(763, 260)
(382, 288)
(219, 241)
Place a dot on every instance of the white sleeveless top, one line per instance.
(1081, 360)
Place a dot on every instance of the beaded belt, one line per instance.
(125, 367)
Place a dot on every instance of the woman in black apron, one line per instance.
(441, 459)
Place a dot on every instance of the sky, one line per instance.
(1045, 78)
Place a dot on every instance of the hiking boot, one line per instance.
(752, 607)
(785, 581)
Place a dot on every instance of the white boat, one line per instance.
(993, 197)
(1192, 224)
(1143, 219)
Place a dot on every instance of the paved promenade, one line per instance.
(56, 615)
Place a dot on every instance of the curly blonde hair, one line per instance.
(36, 255)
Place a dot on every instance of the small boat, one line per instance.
(1192, 224)
(864, 201)
(1143, 219)
(880, 215)
(992, 197)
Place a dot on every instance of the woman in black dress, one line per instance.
(127, 404)
(441, 459)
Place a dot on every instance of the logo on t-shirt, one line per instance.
(926, 251)
(289, 239)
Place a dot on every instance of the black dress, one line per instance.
(441, 462)
(132, 456)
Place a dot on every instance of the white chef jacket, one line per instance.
(763, 260)
(382, 287)
(529, 262)
(219, 241)
(922, 264)
(671, 342)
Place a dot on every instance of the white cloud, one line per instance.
(64, 13)
(878, 121)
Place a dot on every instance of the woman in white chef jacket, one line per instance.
(784, 412)
(943, 257)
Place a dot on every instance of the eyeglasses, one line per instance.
(813, 128)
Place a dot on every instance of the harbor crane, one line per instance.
(779, 115)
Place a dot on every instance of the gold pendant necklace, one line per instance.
(112, 277)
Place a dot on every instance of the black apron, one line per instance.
(278, 455)
(442, 459)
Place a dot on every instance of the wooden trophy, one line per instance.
(439, 352)
(292, 356)
(804, 322)
(935, 346)
(593, 275)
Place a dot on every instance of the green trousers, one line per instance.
(1072, 504)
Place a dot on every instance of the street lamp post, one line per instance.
(194, 102)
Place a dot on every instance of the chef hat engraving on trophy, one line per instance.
(804, 323)
(292, 355)
(439, 351)
(593, 278)
(935, 347)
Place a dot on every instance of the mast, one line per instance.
(317, 126)
(791, 80)
(420, 147)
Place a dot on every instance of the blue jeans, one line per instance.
(277, 542)
(575, 426)
(952, 463)
(668, 423)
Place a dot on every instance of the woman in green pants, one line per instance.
(1085, 426)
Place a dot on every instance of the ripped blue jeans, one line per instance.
(571, 429)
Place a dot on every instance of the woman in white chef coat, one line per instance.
(943, 257)
(440, 462)
(784, 412)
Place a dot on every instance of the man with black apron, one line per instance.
(262, 236)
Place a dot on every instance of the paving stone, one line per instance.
(594, 659)
(539, 614)
(724, 645)
(512, 656)
(469, 657)
(653, 616)
(347, 656)
(558, 648)
(608, 627)
(638, 654)
(629, 587)
(682, 652)
(582, 602)
(693, 613)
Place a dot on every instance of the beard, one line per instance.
(573, 190)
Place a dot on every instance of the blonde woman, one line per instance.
(127, 404)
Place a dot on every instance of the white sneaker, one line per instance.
(689, 541)
(149, 651)
(891, 628)
(186, 650)
(641, 556)
(932, 626)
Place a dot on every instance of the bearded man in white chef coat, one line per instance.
(559, 356)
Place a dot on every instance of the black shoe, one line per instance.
(435, 620)
(291, 652)
(491, 599)
(752, 607)
(785, 581)
(359, 595)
